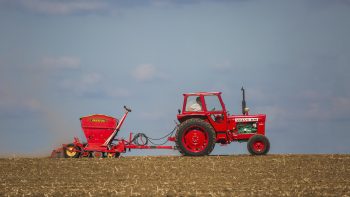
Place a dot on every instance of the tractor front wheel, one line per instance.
(195, 137)
(258, 145)
(71, 151)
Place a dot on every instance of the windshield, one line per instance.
(213, 103)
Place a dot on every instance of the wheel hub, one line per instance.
(195, 140)
(259, 146)
(70, 151)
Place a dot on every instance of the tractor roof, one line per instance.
(202, 93)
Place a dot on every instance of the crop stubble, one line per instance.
(239, 175)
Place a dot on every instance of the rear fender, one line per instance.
(186, 117)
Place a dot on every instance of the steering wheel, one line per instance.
(218, 117)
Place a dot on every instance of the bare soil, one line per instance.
(239, 175)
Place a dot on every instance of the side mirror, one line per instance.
(179, 111)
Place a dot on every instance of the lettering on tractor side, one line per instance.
(246, 119)
(203, 123)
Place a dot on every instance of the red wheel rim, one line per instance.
(97, 154)
(258, 146)
(195, 140)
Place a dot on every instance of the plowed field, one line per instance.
(239, 175)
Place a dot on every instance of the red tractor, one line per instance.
(204, 121)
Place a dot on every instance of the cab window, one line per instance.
(213, 103)
(194, 104)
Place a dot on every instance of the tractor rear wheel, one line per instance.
(195, 137)
(71, 151)
(258, 145)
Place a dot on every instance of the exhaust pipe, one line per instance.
(244, 104)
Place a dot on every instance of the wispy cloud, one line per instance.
(86, 84)
(310, 106)
(341, 107)
(147, 72)
(18, 97)
(93, 85)
(13, 105)
(223, 67)
(328, 109)
(169, 3)
(64, 62)
(59, 7)
(153, 115)
(118, 92)
(144, 72)
(72, 7)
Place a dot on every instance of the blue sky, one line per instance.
(60, 60)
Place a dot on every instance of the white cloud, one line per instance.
(313, 106)
(56, 7)
(119, 93)
(161, 3)
(153, 115)
(146, 72)
(33, 104)
(93, 85)
(13, 104)
(341, 106)
(86, 85)
(90, 79)
(225, 66)
(340, 103)
(229, 66)
(323, 106)
(277, 116)
(64, 62)
(86, 82)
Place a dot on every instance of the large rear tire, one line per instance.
(195, 137)
(258, 145)
(71, 151)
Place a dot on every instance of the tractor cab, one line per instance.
(205, 105)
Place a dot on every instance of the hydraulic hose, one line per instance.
(142, 139)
